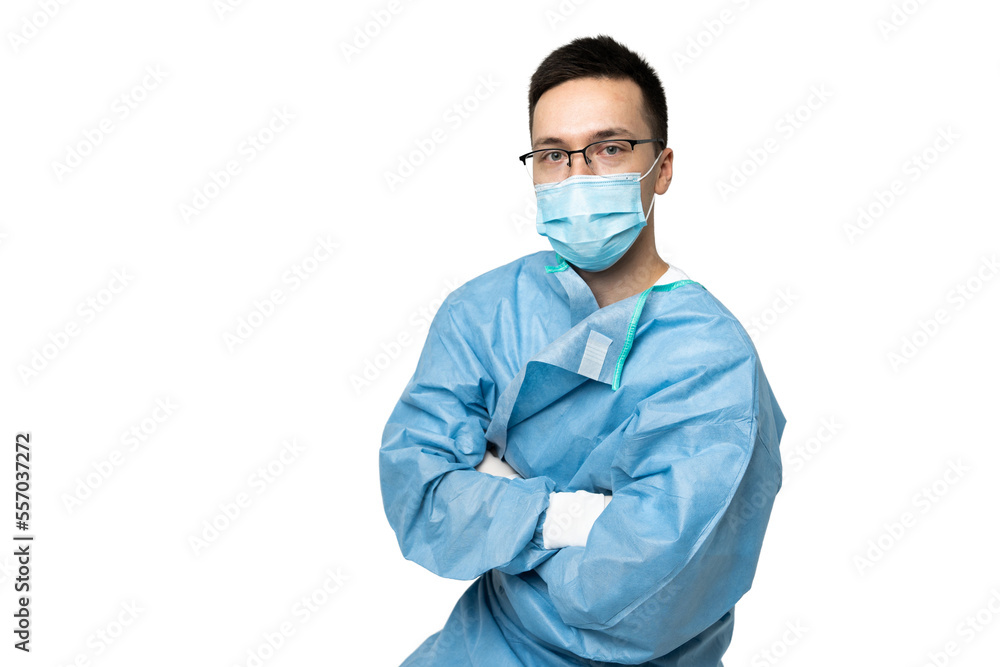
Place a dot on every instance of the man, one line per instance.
(588, 433)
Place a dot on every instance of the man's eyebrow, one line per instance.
(596, 136)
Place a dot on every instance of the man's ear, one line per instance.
(666, 171)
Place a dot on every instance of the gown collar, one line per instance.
(581, 300)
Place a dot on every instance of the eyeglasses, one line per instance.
(605, 158)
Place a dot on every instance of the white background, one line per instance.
(781, 242)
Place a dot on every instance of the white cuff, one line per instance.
(496, 466)
(570, 517)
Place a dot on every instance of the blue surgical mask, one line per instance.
(592, 221)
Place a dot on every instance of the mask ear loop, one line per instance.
(653, 200)
(655, 160)
(646, 217)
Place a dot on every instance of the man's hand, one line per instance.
(496, 466)
(570, 517)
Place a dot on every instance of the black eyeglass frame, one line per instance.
(569, 154)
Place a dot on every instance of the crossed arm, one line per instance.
(682, 456)
(569, 516)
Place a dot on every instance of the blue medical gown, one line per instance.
(658, 399)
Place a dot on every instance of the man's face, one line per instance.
(581, 111)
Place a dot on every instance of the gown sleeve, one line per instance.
(448, 517)
(693, 484)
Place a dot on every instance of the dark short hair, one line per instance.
(601, 57)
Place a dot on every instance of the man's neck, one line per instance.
(639, 269)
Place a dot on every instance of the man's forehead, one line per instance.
(617, 132)
(588, 109)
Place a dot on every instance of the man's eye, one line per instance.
(612, 150)
(553, 156)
